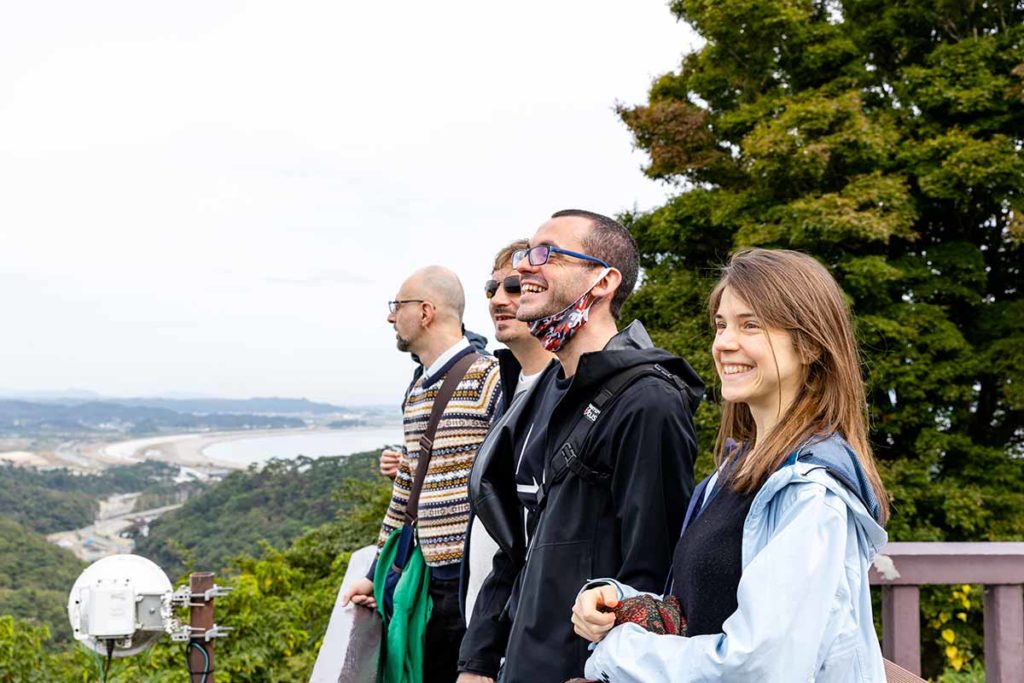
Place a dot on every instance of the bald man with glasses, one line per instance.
(427, 315)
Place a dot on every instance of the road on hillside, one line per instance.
(103, 537)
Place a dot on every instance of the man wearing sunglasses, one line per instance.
(603, 488)
(427, 317)
(521, 364)
(524, 359)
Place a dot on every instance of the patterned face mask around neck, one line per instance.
(555, 331)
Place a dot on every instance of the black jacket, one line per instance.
(509, 370)
(625, 527)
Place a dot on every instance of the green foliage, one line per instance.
(282, 601)
(279, 609)
(273, 504)
(45, 510)
(971, 673)
(35, 577)
(883, 138)
(954, 615)
(21, 651)
(59, 500)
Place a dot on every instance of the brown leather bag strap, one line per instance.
(444, 394)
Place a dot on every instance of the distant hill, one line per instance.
(264, 406)
(25, 417)
(35, 578)
(276, 504)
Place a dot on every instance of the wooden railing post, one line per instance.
(1004, 634)
(901, 626)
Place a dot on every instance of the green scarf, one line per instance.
(402, 656)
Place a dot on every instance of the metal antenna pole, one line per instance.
(200, 621)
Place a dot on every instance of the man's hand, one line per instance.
(389, 462)
(466, 677)
(360, 592)
(591, 615)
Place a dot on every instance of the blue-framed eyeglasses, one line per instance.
(540, 254)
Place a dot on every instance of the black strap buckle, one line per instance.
(569, 458)
(572, 462)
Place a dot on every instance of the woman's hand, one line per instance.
(592, 617)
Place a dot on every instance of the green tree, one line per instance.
(281, 604)
(35, 577)
(885, 139)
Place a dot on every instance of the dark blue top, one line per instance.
(707, 563)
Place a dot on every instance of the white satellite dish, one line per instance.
(119, 605)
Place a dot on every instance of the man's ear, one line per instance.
(427, 314)
(608, 285)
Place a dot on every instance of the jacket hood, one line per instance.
(629, 348)
(829, 460)
(476, 340)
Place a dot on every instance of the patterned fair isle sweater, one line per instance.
(444, 500)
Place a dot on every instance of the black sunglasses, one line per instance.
(511, 285)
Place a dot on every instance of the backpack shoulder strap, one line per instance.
(568, 458)
(444, 394)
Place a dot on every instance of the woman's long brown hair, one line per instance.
(791, 291)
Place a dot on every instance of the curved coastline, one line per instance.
(194, 450)
(188, 449)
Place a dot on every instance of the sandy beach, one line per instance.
(182, 449)
(202, 451)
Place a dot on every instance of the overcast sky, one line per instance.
(219, 197)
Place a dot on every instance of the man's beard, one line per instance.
(508, 334)
(402, 344)
(555, 305)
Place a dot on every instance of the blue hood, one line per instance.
(835, 455)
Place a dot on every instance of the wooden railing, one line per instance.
(351, 647)
(902, 568)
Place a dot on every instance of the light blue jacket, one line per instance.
(804, 607)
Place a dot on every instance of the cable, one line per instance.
(188, 660)
(110, 655)
(99, 664)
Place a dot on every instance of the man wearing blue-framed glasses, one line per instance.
(599, 455)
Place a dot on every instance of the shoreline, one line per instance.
(188, 448)
(185, 449)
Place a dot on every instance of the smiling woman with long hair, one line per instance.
(771, 570)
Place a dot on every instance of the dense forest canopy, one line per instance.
(283, 595)
(885, 139)
(60, 500)
(274, 504)
(35, 577)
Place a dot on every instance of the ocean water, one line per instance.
(245, 450)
